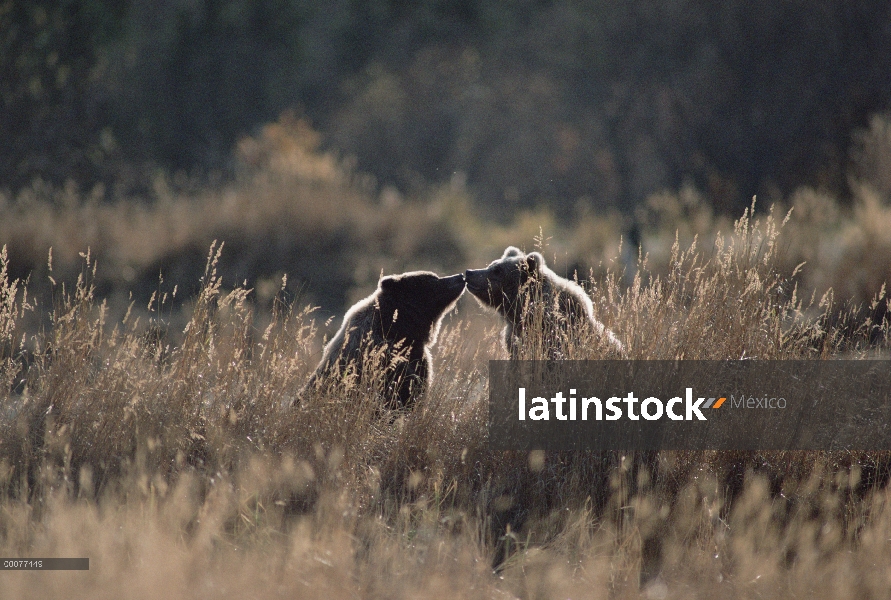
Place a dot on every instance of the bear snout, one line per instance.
(478, 285)
(455, 282)
(477, 280)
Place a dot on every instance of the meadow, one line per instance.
(148, 360)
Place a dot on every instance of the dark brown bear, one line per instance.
(532, 298)
(397, 324)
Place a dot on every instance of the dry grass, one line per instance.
(174, 466)
(149, 433)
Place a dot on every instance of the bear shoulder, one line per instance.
(571, 297)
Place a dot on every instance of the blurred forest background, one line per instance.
(335, 140)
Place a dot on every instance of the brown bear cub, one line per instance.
(545, 313)
(396, 325)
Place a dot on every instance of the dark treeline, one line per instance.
(534, 101)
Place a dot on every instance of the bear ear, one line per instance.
(534, 261)
(387, 283)
(512, 251)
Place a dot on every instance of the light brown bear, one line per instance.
(395, 325)
(545, 313)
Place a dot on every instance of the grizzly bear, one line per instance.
(532, 298)
(396, 325)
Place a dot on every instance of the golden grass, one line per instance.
(176, 468)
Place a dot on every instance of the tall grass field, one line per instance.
(154, 435)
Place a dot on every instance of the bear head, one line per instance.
(412, 304)
(499, 284)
